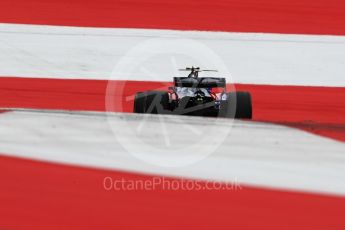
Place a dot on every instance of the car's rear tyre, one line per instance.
(237, 105)
(154, 102)
(157, 102)
(139, 103)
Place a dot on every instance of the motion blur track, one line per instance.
(41, 195)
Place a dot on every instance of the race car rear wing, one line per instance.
(202, 82)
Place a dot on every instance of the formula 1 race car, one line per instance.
(194, 95)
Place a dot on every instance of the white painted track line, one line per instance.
(92, 53)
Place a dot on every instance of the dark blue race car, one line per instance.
(194, 95)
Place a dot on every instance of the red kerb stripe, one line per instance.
(316, 109)
(272, 16)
